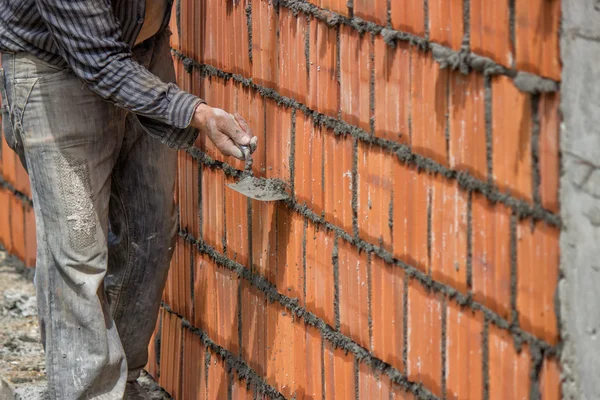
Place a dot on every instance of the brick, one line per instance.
(424, 337)
(218, 379)
(205, 300)
(372, 384)
(239, 40)
(312, 387)
(355, 77)
(511, 131)
(392, 90)
(194, 366)
(508, 369)
(491, 254)
(5, 218)
(293, 76)
(213, 221)
(446, 22)
(170, 354)
(236, 222)
(264, 238)
(536, 288)
(180, 276)
(537, 30)
(9, 160)
(22, 179)
(308, 171)
(490, 35)
(264, 43)
(290, 267)
(152, 365)
(411, 196)
(338, 370)
(354, 293)
(254, 328)
(17, 227)
(467, 124)
(188, 194)
(387, 312)
(550, 381)
(549, 161)
(375, 184)
(464, 340)
(240, 390)
(408, 16)
(286, 352)
(449, 233)
(429, 107)
(372, 10)
(400, 393)
(319, 273)
(338, 6)
(338, 154)
(173, 26)
(323, 88)
(278, 138)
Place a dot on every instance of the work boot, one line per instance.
(135, 391)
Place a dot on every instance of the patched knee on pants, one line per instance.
(76, 195)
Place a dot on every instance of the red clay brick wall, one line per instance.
(418, 255)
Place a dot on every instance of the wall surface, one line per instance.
(418, 256)
(580, 199)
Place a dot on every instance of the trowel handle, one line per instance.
(248, 157)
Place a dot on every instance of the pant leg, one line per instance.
(143, 223)
(71, 141)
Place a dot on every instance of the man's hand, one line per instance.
(226, 131)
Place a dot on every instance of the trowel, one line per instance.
(262, 189)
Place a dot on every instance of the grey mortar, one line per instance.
(579, 281)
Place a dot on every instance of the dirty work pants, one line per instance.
(105, 219)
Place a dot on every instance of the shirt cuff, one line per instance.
(182, 107)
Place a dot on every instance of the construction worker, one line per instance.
(90, 106)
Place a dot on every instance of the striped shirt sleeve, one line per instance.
(88, 37)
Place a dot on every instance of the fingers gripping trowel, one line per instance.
(258, 188)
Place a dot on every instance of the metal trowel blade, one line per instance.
(259, 189)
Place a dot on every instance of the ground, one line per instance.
(22, 372)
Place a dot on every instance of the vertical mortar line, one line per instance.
(157, 340)
(488, 128)
(292, 160)
(323, 384)
(429, 228)
(224, 238)
(206, 367)
(178, 18)
(512, 29)
(537, 359)
(485, 350)
(336, 281)
(466, 41)
(249, 26)
(444, 348)
(338, 68)
(535, 149)
(192, 281)
(470, 243)
(355, 187)
(426, 15)
(391, 217)
(307, 48)
(249, 219)
(447, 130)
(181, 355)
(240, 321)
(405, 322)
(304, 233)
(388, 21)
(229, 385)
(199, 194)
(410, 87)
(356, 380)
(372, 85)
(513, 271)
(370, 296)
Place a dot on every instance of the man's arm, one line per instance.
(89, 39)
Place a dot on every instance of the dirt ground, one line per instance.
(22, 372)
